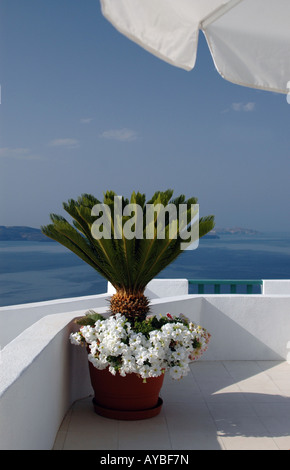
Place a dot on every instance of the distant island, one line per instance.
(217, 232)
(25, 234)
(234, 231)
(22, 233)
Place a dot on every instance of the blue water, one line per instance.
(36, 271)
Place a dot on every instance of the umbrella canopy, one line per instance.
(249, 39)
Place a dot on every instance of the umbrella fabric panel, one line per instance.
(249, 39)
(253, 49)
(167, 28)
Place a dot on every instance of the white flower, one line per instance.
(159, 350)
(155, 371)
(176, 372)
(93, 347)
(135, 339)
(129, 364)
(112, 370)
(144, 371)
(113, 343)
(97, 362)
(141, 355)
(76, 338)
(179, 354)
(156, 336)
(118, 348)
(89, 333)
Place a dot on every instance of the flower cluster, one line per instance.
(147, 349)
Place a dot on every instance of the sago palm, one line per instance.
(127, 262)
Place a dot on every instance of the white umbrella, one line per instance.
(249, 39)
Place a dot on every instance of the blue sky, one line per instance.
(83, 109)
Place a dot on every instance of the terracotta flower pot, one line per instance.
(126, 398)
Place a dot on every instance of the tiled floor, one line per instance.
(229, 405)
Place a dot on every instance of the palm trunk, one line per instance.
(133, 306)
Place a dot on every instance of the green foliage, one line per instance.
(150, 324)
(129, 264)
(153, 322)
(89, 319)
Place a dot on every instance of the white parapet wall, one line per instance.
(158, 288)
(243, 327)
(42, 374)
(16, 318)
(276, 287)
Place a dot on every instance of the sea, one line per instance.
(40, 271)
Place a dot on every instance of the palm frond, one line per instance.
(128, 261)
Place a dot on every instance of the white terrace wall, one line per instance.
(243, 327)
(276, 287)
(41, 373)
(16, 318)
